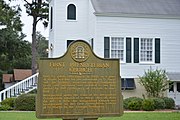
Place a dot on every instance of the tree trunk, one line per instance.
(33, 48)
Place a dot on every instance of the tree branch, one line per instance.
(27, 2)
(38, 20)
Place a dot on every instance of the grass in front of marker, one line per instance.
(147, 116)
(126, 116)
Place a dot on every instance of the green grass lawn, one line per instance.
(126, 116)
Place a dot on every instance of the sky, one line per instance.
(27, 21)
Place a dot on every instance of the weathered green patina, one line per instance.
(78, 85)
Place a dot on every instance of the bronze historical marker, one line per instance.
(79, 85)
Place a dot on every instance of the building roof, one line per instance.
(21, 74)
(174, 76)
(7, 78)
(140, 7)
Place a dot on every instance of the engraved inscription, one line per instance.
(87, 94)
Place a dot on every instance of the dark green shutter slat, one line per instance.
(136, 50)
(106, 47)
(157, 50)
(128, 50)
(51, 21)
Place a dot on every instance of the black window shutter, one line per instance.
(128, 50)
(106, 47)
(157, 50)
(136, 50)
(51, 20)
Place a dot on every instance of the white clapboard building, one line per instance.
(143, 34)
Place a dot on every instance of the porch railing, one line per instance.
(17, 89)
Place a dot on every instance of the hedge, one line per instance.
(5, 107)
(133, 103)
(169, 103)
(9, 102)
(159, 103)
(148, 105)
(25, 102)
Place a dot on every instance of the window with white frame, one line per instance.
(146, 49)
(117, 48)
(71, 12)
(137, 50)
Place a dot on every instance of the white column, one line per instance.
(4, 96)
(8, 94)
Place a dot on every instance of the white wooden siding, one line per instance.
(69, 30)
(90, 26)
(168, 30)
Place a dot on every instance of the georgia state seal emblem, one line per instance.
(79, 52)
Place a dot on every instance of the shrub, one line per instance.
(159, 103)
(133, 103)
(155, 82)
(5, 107)
(33, 91)
(8, 101)
(148, 105)
(169, 103)
(25, 102)
(126, 102)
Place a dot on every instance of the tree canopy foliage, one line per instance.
(10, 16)
(42, 45)
(39, 10)
(14, 51)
